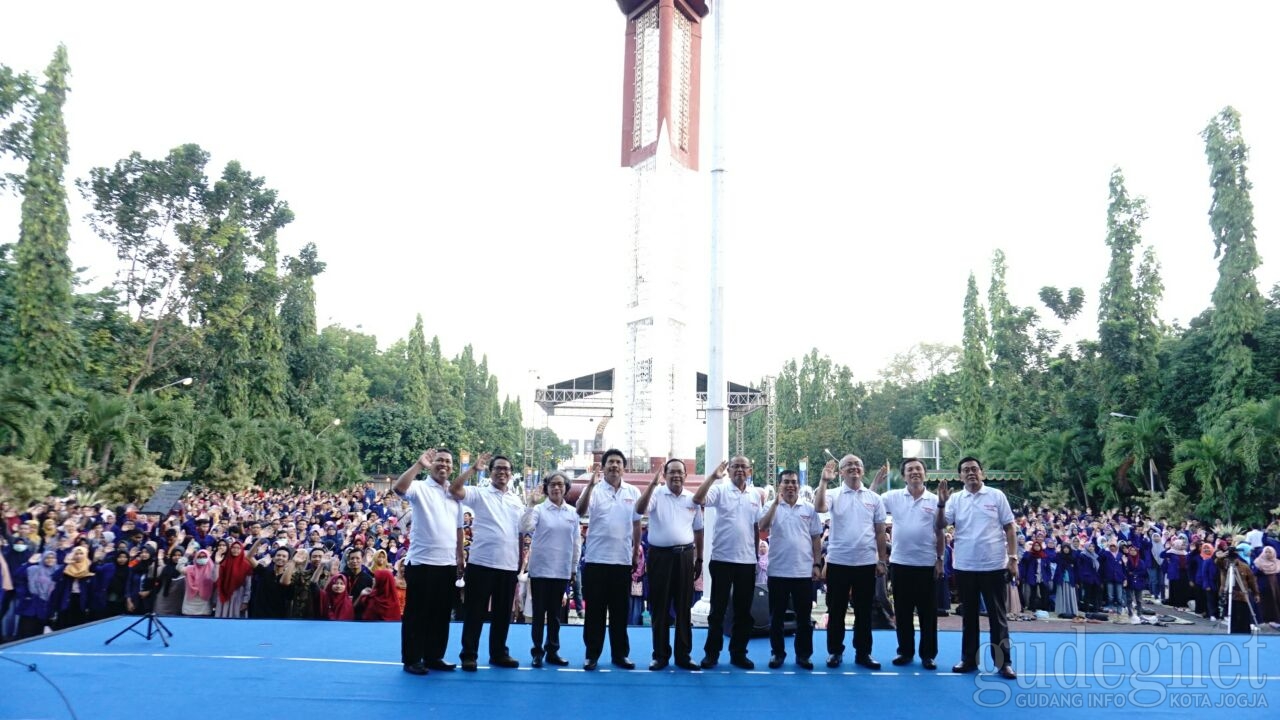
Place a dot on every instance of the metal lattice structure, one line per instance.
(771, 426)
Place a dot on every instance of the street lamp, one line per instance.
(336, 422)
(943, 432)
(185, 382)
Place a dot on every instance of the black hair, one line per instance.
(903, 467)
(496, 458)
(965, 459)
(611, 452)
(667, 464)
(783, 473)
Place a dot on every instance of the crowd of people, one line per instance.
(449, 547)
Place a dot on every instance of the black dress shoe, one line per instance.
(709, 662)
(537, 661)
(469, 665)
(867, 662)
(504, 662)
(590, 664)
(688, 665)
(1006, 672)
(928, 664)
(775, 661)
(657, 665)
(624, 663)
(415, 668)
(554, 659)
(805, 663)
(742, 661)
(441, 665)
(901, 660)
(834, 660)
(964, 667)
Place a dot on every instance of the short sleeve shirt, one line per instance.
(610, 518)
(791, 537)
(495, 528)
(979, 519)
(914, 538)
(435, 519)
(854, 515)
(735, 528)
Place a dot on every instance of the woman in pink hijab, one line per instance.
(202, 576)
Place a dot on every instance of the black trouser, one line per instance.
(841, 579)
(488, 590)
(914, 592)
(671, 579)
(607, 593)
(992, 585)
(548, 594)
(428, 598)
(798, 594)
(736, 580)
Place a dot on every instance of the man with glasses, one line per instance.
(916, 565)
(675, 546)
(493, 561)
(733, 558)
(985, 557)
(856, 556)
(795, 548)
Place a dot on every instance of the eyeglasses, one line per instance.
(740, 466)
(502, 468)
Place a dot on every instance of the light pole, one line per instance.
(185, 382)
(336, 422)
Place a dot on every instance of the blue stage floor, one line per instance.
(222, 668)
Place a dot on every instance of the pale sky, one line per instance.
(462, 159)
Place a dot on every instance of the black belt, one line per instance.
(673, 548)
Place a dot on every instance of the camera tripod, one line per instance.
(154, 628)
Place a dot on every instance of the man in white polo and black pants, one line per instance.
(915, 564)
(985, 556)
(855, 558)
(675, 559)
(795, 541)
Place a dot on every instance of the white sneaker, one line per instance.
(1135, 620)
(1213, 619)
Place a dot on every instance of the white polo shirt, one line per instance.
(610, 516)
(735, 530)
(979, 519)
(914, 540)
(854, 514)
(556, 544)
(673, 519)
(495, 528)
(434, 521)
(791, 537)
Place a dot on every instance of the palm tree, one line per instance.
(1253, 435)
(19, 405)
(1204, 461)
(1138, 442)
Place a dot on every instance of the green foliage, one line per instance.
(22, 481)
(975, 375)
(237, 478)
(136, 482)
(1064, 308)
(1054, 497)
(1237, 303)
(45, 346)
(1171, 504)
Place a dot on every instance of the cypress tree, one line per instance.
(1237, 305)
(975, 375)
(46, 346)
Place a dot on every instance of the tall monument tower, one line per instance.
(655, 383)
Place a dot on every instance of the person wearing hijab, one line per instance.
(1177, 571)
(142, 582)
(380, 562)
(1268, 576)
(16, 555)
(74, 590)
(170, 584)
(379, 602)
(36, 588)
(1206, 584)
(235, 583)
(335, 603)
(200, 589)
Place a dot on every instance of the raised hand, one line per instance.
(720, 470)
(428, 458)
(943, 491)
(595, 473)
(829, 472)
(482, 462)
